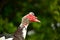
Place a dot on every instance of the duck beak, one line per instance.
(36, 20)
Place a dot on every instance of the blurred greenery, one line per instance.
(47, 11)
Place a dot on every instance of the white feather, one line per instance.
(24, 31)
(9, 39)
(2, 38)
(31, 13)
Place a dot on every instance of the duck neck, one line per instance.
(24, 29)
(20, 34)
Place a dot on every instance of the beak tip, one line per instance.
(38, 21)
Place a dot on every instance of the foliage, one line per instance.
(47, 11)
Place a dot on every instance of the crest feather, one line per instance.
(31, 13)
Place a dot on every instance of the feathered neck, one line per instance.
(20, 34)
(24, 30)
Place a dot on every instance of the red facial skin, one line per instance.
(32, 18)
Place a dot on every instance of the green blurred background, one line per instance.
(47, 11)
